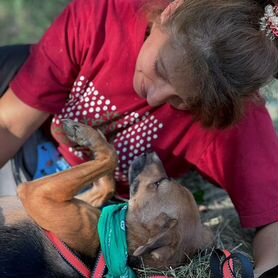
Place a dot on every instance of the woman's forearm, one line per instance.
(265, 248)
(17, 122)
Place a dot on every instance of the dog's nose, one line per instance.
(136, 167)
(139, 163)
(152, 157)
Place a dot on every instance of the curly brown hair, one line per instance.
(217, 45)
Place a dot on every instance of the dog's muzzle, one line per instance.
(138, 165)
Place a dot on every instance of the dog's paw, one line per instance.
(81, 134)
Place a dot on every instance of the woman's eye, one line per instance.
(159, 72)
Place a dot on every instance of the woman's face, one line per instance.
(151, 79)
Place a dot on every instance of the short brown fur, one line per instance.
(163, 222)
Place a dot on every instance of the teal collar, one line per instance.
(113, 240)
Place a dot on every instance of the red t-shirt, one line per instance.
(83, 68)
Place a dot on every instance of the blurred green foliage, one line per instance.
(24, 21)
(270, 92)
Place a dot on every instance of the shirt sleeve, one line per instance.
(244, 161)
(44, 82)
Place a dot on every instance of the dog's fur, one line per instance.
(163, 223)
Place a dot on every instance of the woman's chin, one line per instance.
(179, 107)
(139, 94)
(153, 104)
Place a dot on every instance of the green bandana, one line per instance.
(113, 241)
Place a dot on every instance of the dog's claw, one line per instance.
(70, 129)
(74, 132)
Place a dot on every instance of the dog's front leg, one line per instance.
(50, 201)
(102, 191)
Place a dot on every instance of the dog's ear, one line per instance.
(160, 245)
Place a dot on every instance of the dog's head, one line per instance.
(164, 227)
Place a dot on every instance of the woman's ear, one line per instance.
(169, 10)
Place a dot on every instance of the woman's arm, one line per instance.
(265, 247)
(17, 122)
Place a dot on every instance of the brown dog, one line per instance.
(163, 222)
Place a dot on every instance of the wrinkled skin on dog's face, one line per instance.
(163, 221)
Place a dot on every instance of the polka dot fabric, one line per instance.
(131, 133)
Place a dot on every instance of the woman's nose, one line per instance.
(158, 97)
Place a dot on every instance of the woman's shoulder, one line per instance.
(100, 10)
(255, 126)
(108, 4)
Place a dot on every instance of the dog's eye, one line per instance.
(157, 183)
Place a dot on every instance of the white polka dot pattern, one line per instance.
(132, 141)
(134, 133)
